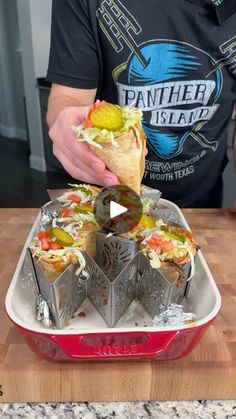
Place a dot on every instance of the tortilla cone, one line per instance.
(53, 268)
(174, 275)
(181, 261)
(88, 234)
(127, 160)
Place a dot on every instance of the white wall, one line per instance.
(34, 24)
(30, 47)
(40, 13)
(12, 115)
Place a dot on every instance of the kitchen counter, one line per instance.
(215, 231)
(204, 409)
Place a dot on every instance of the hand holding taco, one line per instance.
(116, 136)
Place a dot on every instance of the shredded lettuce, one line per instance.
(147, 204)
(154, 259)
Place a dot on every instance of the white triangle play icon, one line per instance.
(116, 209)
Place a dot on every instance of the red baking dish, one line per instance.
(87, 337)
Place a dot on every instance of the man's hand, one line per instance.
(76, 158)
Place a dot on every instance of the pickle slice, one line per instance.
(107, 116)
(83, 209)
(81, 189)
(147, 221)
(62, 237)
(173, 234)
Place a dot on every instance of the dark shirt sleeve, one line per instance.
(73, 57)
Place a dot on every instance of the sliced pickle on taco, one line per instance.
(81, 220)
(115, 134)
(55, 249)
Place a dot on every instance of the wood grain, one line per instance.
(209, 372)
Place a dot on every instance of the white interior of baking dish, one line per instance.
(203, 300)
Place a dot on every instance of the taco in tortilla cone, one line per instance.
(115, 135)
(169, 248)
(77, 215)
(72, 231)
(56, 249)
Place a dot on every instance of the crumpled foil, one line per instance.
(49, 211)
(174, 315)
(42, 311)
(168, 214)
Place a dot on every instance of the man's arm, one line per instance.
(67, 107)
(61, 97)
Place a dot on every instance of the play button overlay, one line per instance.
(118, 209)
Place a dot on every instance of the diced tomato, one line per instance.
(67, 212)
(154, 245)
(96, 105)
(42, 235)
(54, 246)
(99, 103)
(45, 244)
(156, 237)
(166, 245)
(87, 123)
(74, 198)
(157, 241)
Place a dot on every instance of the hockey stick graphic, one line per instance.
(116, 22)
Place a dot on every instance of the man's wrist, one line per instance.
(57, 104)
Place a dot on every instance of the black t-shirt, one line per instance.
(172, 59)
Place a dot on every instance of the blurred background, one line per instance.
(27, 164)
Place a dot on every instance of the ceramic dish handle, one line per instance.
(115, 345)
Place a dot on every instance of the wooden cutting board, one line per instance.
(209, 372)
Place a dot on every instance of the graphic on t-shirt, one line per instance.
(172, 82)
(176, 102)
(228, 49)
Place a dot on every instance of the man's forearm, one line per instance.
(61, 97)
(56, 104)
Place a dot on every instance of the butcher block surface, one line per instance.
(209, 372)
